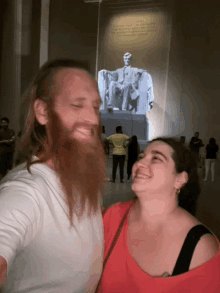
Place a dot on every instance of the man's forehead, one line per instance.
(69, 78)
(72, 74)
(69, 82)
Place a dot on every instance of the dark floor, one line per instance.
(208, 204)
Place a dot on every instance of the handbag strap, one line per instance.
(113, 245)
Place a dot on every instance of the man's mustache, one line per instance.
(92, 128)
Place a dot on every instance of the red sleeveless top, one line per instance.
(122, 274)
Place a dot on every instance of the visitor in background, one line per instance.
(133, 152)
(104, 141)
(195, 145)
(211, 150)
(119, 153)
(7, 144)
(182, 139)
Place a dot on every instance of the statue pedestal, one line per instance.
(132, 124)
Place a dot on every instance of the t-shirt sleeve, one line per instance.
(19, 219)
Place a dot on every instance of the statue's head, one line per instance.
(127, 59)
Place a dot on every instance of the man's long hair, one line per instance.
(37, 140)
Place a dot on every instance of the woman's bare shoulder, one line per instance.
(207, 247)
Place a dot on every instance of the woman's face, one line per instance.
(155, 170)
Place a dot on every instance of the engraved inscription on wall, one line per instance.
(139, 27)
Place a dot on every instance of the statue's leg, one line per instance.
(112, 90)
(127, 89)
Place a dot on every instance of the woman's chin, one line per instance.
(137, 188)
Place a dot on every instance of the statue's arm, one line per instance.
(150, 89)
(140, 71)
(104, 72)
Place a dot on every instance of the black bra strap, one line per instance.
(189, 245)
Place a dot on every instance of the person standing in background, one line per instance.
(182, 139)
(195, 145)
(104, 141)
(7, 144)
(211, 150)
(119, 153)
(133, 152)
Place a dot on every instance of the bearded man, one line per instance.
(51, 235)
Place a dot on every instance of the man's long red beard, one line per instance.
(79, 166)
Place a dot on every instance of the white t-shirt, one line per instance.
(43, 253)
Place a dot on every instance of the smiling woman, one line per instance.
(154, 236)
(180, 162)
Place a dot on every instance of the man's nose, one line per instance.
(90, 115)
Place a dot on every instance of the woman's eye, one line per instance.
(156, 159)
(140, 157)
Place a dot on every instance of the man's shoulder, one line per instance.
(124, 136)
(109, 137)
(20, 176)
(113, 135)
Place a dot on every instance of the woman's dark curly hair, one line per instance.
(185, 160)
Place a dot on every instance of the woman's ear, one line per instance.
(40, 109)
(181, 180)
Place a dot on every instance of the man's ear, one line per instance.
(40, 109)
(181, 180)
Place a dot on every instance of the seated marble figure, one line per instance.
(127, 88)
